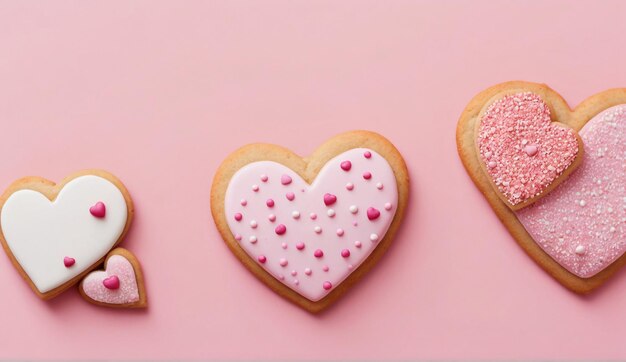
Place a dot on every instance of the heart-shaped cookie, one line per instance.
(577, 232)
(51, 232)
(309, 228)
(119, 285)
(523, 152)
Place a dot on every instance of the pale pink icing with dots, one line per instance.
(582, 223)
(522, 149)
(100, 286)
(312, 255)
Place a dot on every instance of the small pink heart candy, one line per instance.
(329, 199)
(285, 179)
(372, 213)
(98, 210)
(68, 262)
(112, 282)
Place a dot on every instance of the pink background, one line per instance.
(160, 92)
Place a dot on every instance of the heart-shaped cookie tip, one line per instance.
(98, 210)
(329, 199)
(522, 151)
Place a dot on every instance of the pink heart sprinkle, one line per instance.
(112, 282)
(329, 199)
(372, 213)
(68, 262)
(285, 179)
(98, 285)
(98, 210)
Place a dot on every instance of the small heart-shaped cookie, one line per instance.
(52, 233)
(119, 285)
(522, 151)
(577, 232)
(310, 228)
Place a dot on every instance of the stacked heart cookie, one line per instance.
(311, 227)
(56, 235)
(555, 177)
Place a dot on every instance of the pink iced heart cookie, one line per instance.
(524, 153)
(120, 284)
(339, 222)
(577, 232)
(305, 227)
(582, 223)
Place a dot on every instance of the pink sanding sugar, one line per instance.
(522, 149)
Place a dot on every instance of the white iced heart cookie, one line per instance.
(309, 228)
(55, 234)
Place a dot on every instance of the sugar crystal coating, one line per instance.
(522, 149)
(582, 223)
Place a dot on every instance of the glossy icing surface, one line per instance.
(522, 150)
(56, 241)
(582, 223)
(311, 237)
(115, 285)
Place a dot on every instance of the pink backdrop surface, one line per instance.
(160, 92)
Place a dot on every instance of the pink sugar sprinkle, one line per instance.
(509, 125)
(581, 224)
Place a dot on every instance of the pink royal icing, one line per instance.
(116, 285)
(324, 248)
(524, 151)
(582, 223)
